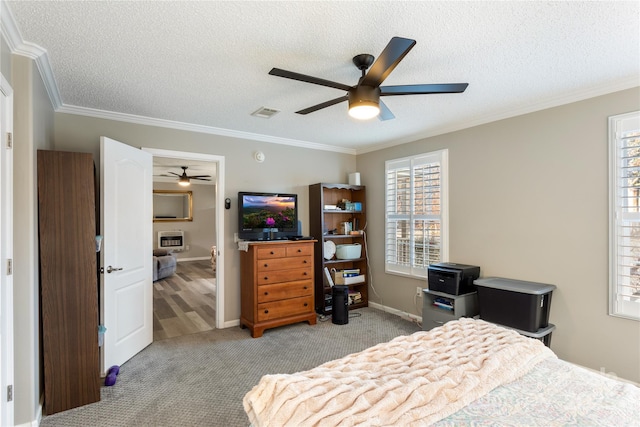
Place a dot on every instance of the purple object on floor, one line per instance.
(112, 375)
(110, 380)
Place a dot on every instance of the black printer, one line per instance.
(452, 278)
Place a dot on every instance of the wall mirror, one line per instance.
(171, 205)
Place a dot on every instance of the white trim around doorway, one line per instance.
(219, 203)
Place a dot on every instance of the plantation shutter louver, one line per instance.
(414, 213)
(625, 216)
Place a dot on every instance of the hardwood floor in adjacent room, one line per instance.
(185, 303)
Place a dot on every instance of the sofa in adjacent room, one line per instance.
(164, 264)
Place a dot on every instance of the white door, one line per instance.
(126, 190)
(6, 253)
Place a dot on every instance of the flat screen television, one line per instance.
(267, 216)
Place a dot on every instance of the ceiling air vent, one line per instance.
(265, 112)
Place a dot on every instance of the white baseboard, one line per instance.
(231, 323)
(403, 314)
(205, 258)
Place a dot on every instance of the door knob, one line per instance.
(110, 269)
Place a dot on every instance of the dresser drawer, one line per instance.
(280, 291)
(284, 263)
(299, 250)
(271, 252)
(284, 308)
(277, 276)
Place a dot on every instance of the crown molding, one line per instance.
(150, 121)
(8, 26)
(18, 46)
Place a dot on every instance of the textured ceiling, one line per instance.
(204, 65)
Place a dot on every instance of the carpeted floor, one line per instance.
(200, 379)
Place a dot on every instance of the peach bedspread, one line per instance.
(411, 380)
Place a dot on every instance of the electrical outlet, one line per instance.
(186, 247)
(418, 291)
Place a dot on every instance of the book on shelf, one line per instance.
(355, 297)
(328, 280)
(350, 272)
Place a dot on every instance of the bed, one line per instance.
(466, 372)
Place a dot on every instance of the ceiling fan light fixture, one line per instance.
(364, 102)
(184, 181)
(364, 110)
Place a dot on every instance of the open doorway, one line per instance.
(184, 302)
(188, 295)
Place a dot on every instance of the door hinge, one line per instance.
(9, 393)
(9, 267)
(9, 140)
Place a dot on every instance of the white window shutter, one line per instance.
(415, 213)
(624, 248)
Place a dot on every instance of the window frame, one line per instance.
(442, 158)
(618, 306)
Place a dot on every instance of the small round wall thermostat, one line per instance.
(259, 156)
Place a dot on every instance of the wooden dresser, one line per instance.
(276, 283)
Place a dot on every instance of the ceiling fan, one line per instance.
(364, 97)
(185, 179)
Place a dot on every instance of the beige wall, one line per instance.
(528, 200)
(199, 234)
(33, 129)
(286, 169)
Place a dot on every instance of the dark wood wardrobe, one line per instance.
(68, 279)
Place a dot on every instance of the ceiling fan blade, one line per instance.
(200, 179)
(307, 79)
(390, 57)
(176, 174)
(323, 105)
(385, 113)
(199, 176)
(423, 89)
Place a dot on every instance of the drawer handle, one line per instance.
(266, 293)
(304, 262)
(271, 252)
(266, 312)
(299, 250)
(305, 304)
(304, 274)
(266, 278)
(304, 287)
(266, 265)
